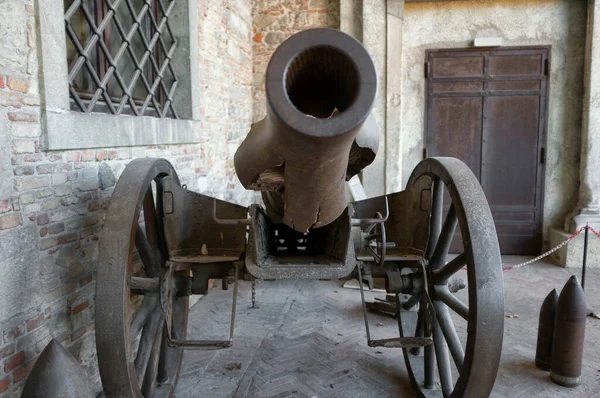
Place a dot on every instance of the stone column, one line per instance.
(378, 25)
(588, 208)
(393, 115)
(374, 21)
(351, 18)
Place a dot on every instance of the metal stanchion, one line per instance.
(585, 248)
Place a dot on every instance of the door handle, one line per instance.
(543, 155)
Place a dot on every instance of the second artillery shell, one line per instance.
(56, 374)
(543, 354)
(569, 333)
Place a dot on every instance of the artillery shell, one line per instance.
(569, 333)
(56, 374)
(543, 353)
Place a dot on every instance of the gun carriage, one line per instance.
(162, 242)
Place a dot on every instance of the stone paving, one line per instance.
(307, 339)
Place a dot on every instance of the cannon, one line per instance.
(162, 243)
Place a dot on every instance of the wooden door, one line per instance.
(488, 108)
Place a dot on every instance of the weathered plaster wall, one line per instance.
(374, 38)
(351, 18)
(52, 204)
(224, 29)
(560, 23)
(273, 21)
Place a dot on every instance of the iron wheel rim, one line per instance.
(113, 293)
(485, 319)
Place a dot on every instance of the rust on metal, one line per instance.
(543, 354)
(433, 181)
(320, 88)
(162, 242)
(569, 335)
(56, 374)
(402, 342)
(129, 320)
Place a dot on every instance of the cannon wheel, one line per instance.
(131, 334)
(464, 357)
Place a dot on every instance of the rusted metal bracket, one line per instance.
(358, 222)
(328, 251)
(402, 342)
(200, 229)
(397, 342)
(228, 221)
(206, 344)
(429, 311)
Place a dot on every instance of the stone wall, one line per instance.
(273, 21)
(52, 204)
(559, 23)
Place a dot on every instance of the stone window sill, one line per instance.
(76, 130)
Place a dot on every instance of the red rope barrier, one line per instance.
(570, 238)
(593, 231)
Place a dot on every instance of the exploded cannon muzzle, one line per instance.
(318, 133)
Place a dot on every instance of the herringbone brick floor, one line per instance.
(307, 339)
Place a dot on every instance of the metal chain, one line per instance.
(253, 306)
(549, 252)
(593, 231)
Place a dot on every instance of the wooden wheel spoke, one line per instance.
(429, 364)
(150, 218)
(147, 342)
(443, 361)
(443, 243)
(144, 285)
(162, 375)
(147, 254)
(443, 274)
(150, 379)
(435, 224)
(429, 353)
(449, 333)
(452, 301)
(418, 331)
(148, 305)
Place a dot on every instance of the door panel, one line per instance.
(509, 168)
(501, 85)
(511, 64)
(456, 129)
(488, 108)
(510, 150)
(463, 66)
(454, 86)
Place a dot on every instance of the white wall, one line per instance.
(559, 23)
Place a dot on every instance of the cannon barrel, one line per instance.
(318, 132)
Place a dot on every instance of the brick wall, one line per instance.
(273, 21)
(52, 204)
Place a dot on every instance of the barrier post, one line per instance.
(585, 245)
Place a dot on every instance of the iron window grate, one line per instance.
(120, 56)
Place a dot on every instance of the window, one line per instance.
(119, 73)
(120, 56)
